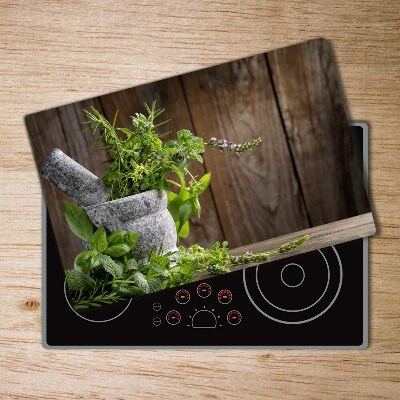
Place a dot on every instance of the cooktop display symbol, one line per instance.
(182, 296)
(224, 296)
(204, 290)
(173, 317)
(296, 293)
(156, 321)
(234, 317)
(204, 319)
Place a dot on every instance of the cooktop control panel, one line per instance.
(203, 308)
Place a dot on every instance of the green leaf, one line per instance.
(175, 279)
(174, 202)
(85, 261)
(78, 221)
(196, 205)
(155, 284)
(163, 185)
(117, 250)
(203, 183)
(184, 232)
(122, 237)
(110, 265)
(99, 240)
(156, 269)
(131, 265)
(181, 176)
(140, 280)
(131, 239)
(125, 290)
(116, 238)
(184, 194)
(77, 280)
(186, 211)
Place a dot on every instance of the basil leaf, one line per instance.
(117, 250)
(131, 239)
(116, 238)
(77, 280)
(78, 221)
(174, 202)
(99, 240)
(184, 232)
(123, 237)
(203, 184)
(186, 211)
(85, 261)
(110, 265)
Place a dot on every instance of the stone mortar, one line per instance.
(145, 214)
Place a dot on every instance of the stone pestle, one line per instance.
(74, 179)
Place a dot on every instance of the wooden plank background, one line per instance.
(304, 174)
(53, 53)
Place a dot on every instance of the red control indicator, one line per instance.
(204, 290)
(182, 296)
(224, 296)
(173, 317)
(234, 317)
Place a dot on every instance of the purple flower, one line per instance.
(232, 146)
(213, 139)
(224, 144)
(248, 253)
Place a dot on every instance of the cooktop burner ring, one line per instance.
(306, 314)
(94, 320)
(289, 284)
(299, 309)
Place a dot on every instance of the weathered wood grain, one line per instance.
(257, 195)
(302, 175)
(321, 236)
(62, 127)
(53, 53)
(315, 123)
(47, 133)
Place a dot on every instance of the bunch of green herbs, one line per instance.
(107, 272)
(141, 161)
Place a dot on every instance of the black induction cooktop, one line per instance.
(316, 299)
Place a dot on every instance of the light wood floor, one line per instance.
(52, 53)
